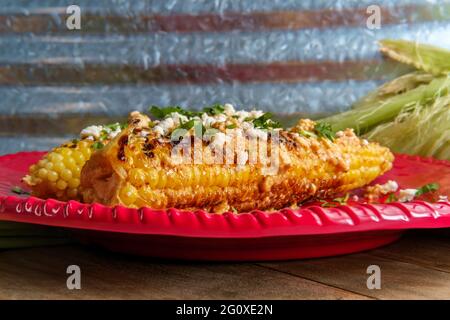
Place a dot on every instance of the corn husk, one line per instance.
(419, 130)
(378, 111)
(424, 57)
(410, 114)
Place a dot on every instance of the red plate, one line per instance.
(310, 231)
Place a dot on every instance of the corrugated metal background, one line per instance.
(287, 56)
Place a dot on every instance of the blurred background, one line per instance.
(291, 57)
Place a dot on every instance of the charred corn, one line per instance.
(151, 164)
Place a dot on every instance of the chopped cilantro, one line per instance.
(231, 126)
(97, 145)
(391, 198)
(342, 200)
(326, 204)
(324, 130)
(199, 128)
(114, 126)
(430, 187)
(103, 135)
(161, 113)
(210, 132)
(308, 134)
(187, 125)
(335, 202)
(266, 122)
(19, 190)
(214, 109)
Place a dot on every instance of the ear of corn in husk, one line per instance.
(377, 111)
(410, 114)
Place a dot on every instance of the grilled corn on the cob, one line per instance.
(138, 168)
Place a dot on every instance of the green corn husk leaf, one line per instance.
(366, 117)
(424, 57)
(410, 114)
(399, 85)
(419, 129)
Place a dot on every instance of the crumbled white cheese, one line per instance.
(220, 118)
(388, 187)
(143, 134)
(178, 118)
(256, 133)
(158, 130)
(242, 158)
(91, 132)
(443, 199)
(364, 142)
(247, 126)
(406, 195)
(207, 120)
(229, 109)
(113, 133)
(242, 115)
(256, 113)
(219, 139)
(166, 125)
(229, 117)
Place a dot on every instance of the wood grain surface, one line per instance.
(416, 267)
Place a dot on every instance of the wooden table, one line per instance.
(417, 267)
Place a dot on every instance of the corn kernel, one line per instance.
(76, 172)
(58, 166)
(137, 177)
(55, 157)
(42, 173)
(48, 166)
(41, 163)
(52, 176)
(74, 182)
(61, 184)
(78, 157)
(162, 180)
(86, 152)
(128, 194)
(65, 152)
(83, 145)
(152, 178)
(70, 163)
(32, 168)
(66, 174)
